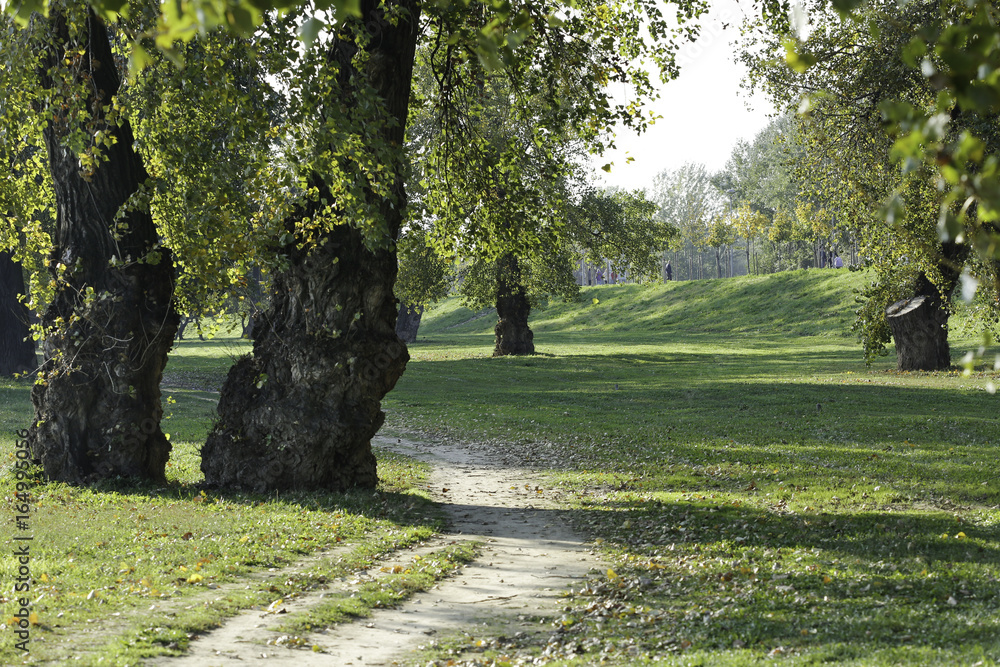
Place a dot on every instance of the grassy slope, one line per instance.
(761, 491)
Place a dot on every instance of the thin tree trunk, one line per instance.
(17, 349)
(513, 335)
(300, 412)
(112, 321)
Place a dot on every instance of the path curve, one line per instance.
(530, 556)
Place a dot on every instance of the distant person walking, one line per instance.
(614, 277)
(600, 276)
(838, 263)
(670, 272)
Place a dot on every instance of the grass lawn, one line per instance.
(760, 491)
(123, 572)
(761, 494)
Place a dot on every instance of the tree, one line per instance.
(855, 66)
(111, 320)
(721, 236)
(424, 277)
(621, 226)
(300, 411)
(688, 201)
(342, 138)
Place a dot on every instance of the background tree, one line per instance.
(620, 226)
(424, 277)
(688, 201)
(855, 66)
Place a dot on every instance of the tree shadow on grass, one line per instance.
(872, 580)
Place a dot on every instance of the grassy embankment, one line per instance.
(758, 489)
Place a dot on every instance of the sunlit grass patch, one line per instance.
(761, 493)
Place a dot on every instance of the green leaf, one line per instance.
(950, 227)
(914, 52)
(310, 30)
(800, 61)
(845, 7)
(138, 59)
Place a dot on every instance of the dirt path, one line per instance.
(530, 556)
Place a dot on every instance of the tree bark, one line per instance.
(300, 412)
(17, 349)
(408, 322)
(112, 321)
(513, 335)
(920, 324)
(919, 328)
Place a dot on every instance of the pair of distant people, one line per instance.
(613, 280)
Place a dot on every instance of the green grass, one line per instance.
(110, 559)
(760, 492)
(387, 591)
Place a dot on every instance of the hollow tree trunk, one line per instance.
(17, 349)
(408, 322)
(513, 335)
(112, 321)
(300, 412)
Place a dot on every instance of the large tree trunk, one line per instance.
(17, 349)
(300, 412)
(920, 324)
(513, 336)
(111, 322)
(919, 327)
(408, 322)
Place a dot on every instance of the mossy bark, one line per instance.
(408, 322)
(920, 324)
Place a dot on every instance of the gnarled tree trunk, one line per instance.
(513, 335)
(112, 321)
(17, 349)
(408, 322)
(300, 412)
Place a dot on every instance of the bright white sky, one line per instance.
(704, 111)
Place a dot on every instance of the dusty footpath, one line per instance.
(530, 556)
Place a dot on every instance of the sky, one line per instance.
(704, 111)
